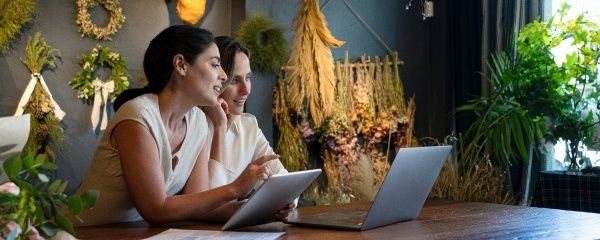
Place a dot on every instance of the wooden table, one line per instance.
(438, 220)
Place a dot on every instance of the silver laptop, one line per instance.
(274, 194)
(400, 198)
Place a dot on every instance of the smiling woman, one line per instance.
(242, 140)
(152, 161)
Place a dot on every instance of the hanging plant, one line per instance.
(311, 77)
(15, 14)
(265, 41)
(89, 86)
(37, 99)
(88, 28)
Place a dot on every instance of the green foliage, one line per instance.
(504, 126)
(45, 127)
(265, 41)
(41, 202)
(534, 97)
(39, 54)
(100, 57)
(566, 94)
(14, 14)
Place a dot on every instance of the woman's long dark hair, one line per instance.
(228, 47)
(158, 67)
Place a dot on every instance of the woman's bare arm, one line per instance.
(144, 180)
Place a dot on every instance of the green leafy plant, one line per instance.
(566, 94)
(265, 41)
(533, 98)
(504, 127)
(39, 54)
(15, 14)
(37, 203)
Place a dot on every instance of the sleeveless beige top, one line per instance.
(105, 173)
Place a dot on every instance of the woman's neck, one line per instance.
(172, 108)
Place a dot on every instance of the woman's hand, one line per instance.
(218, 113)
(284, 212)
(255, 171)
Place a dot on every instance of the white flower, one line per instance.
(46, 106)
(86, 65)
(113, 55)
(9, 188)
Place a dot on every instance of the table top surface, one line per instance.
(439, 219)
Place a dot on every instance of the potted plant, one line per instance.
(535, 97)
(564, 92)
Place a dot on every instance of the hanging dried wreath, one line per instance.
(88, 28)
(90, 87)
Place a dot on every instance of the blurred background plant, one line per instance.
(33, 206)
(534, 97)
(562, 89)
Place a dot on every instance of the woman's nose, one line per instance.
(245, 87)
(222, 75)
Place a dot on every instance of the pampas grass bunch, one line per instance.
(311, 78)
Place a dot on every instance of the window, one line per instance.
(592, 10)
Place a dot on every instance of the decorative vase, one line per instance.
(573, 168)
(573, 155)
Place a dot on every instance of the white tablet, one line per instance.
(276, 192)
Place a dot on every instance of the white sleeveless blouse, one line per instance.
(105, 173)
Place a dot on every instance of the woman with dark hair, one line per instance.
(242, 141)
(152, 160)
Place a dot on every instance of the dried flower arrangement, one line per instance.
(311, 79)
(364, 130)
(88, 28)
(355, 111)
(37, 99)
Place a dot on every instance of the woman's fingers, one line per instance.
(261, 164)
(267, 173)
(224, 105)
(265, 159)
(284, 212)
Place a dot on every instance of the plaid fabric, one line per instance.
(558, 190)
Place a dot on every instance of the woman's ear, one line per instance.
(179, 64)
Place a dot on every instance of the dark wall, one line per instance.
(421, 44)
(56, 21)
